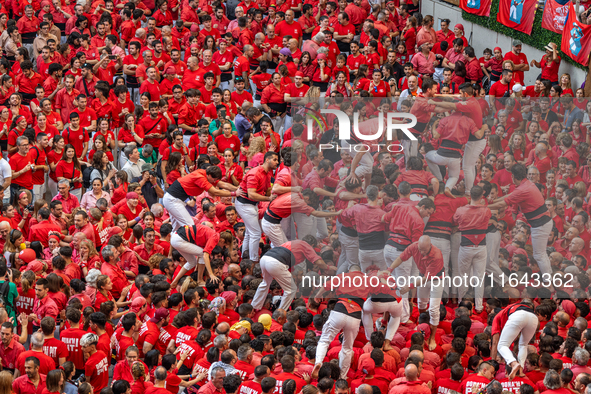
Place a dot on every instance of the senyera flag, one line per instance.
(476, 7)
(555, 13)
(575, 38)
(517, 14)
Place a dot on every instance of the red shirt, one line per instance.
(194, 183)
(193, 79)
(77, 138)
(46, 362)
(23, 385)
(257, 178)
(28, 85)
(17, 163)
(233, 142)
(294, 29)
(96, 370)
(529, 199)
(71, 338)
(149, 332)
(55, 349)
(152, 88)
(10, 353)
(517, 60)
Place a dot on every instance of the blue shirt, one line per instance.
(242, 125)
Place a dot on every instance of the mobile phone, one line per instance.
(112, 57)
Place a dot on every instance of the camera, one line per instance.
(30, 207)
(77, 382)
(153, 173)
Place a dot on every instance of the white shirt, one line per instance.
(403, 95)
(5, 172)
(133, 170)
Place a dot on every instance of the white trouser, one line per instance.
(287, 123)
(453, 164)
(493, 244)
(123, 158)
(349, 252)
(336, 322)
(367, 258)
(445, 246)
(472, 265)
(456, 239)
(310, 225)
(77, 193)
(539, 242)
(411, 149)
(406, 269)
(471, 153)
(191, 252)
(179, 216)
(226, 85)
(274, 269)
(520, 322)
(288, 227)
(274, 232)
(438, 75)
(38, 192)
(252, 236)
(430, 296)
(52, 187)
(370, 307)
(278, 122)
(365, 165)
(187, 140)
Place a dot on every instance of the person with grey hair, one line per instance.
(580, 360)
(134, 163)
(22, 167)
(244, 354)
(111, 268)
(312, 46)
(368, 223)
(160, 376)
(216, 377)
(220, 342)
(552, 380)
(96, 367)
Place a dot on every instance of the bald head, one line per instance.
(541, 148)
(576, 245)
(223, 328)
(411, 373)
(424, 244)
(418, 354)
(562, 318)
(364, 389)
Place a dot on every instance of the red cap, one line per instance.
(35, 266)
(161, 313)
(27, 255)
(299, 74)
(367, 366)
